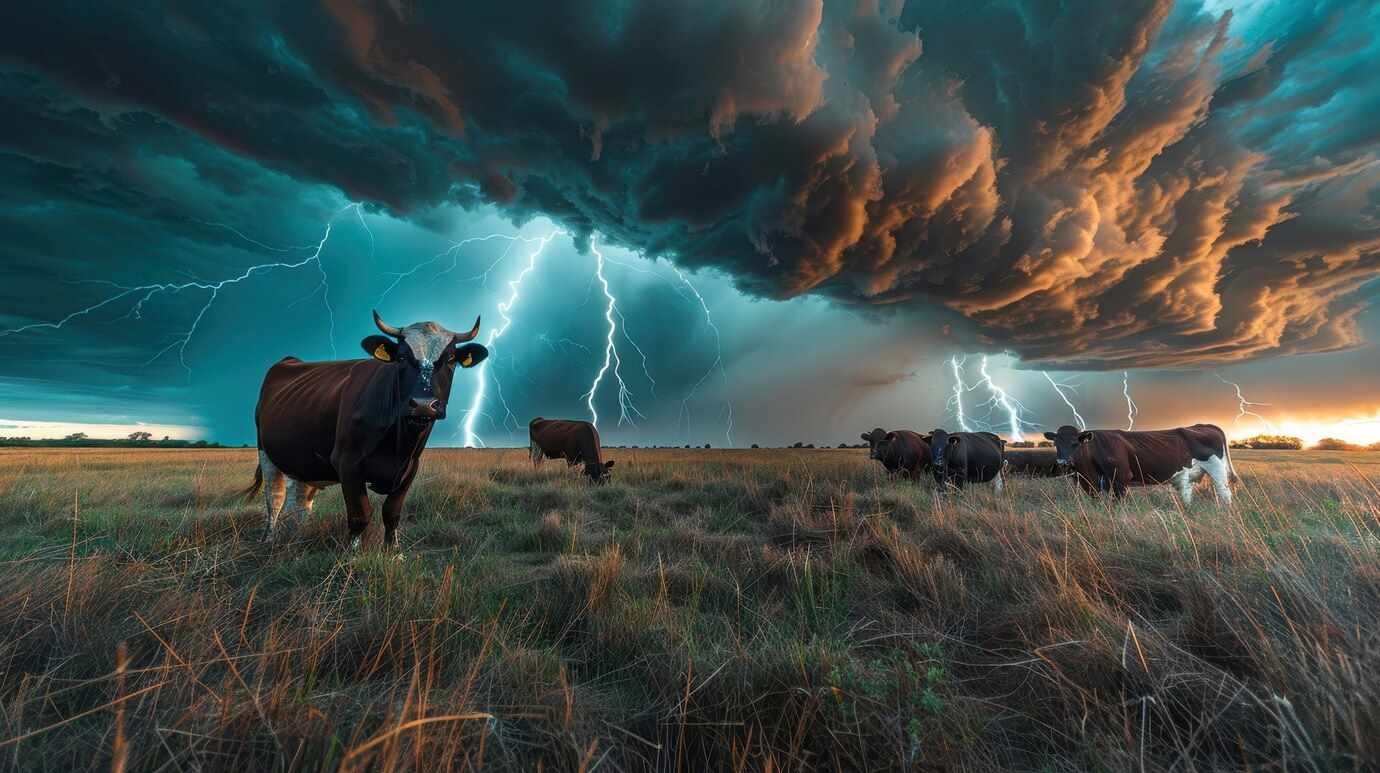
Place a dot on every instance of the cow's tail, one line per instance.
(254, 487)
(534, 451)
(1232, 476)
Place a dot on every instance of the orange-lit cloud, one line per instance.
(1099, 185)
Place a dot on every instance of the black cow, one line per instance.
(1112, 459)
(1032, 462)
(900, 451)
(574, 441)
(357, 422)
(960, 458)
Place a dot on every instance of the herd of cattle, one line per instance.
(1102, 460)
(364, 423)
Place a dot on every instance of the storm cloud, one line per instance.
(1085, 184)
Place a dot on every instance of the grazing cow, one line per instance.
(960, 458)
(900, 451)
(573, 441)
(357, 422)
(1032, 462)
(1112, 459)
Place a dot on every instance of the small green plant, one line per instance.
(902, 688)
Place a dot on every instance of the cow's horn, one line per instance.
(460, 338)
(386, 328)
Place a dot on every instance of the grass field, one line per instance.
(708, 610)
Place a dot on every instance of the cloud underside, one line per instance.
(1089, 184)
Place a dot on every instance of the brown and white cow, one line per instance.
(574, 441)
(900, 451)
(1112, 459)
(359, 423)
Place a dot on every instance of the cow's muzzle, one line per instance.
(426, 409)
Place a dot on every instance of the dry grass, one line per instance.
(759, 610)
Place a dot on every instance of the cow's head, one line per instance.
(941, 443)
(428, 353)
(599, 473)
(879, 441)
(1067, 441)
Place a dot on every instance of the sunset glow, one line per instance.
(1358, 430)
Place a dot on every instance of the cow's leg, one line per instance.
(309, 500)
(1085, 483)
(275, 486)
(392, 511)
(300, 496)
(1121, 478)
(358, 508)
(1183, 483)
(538, 457)
(1186, 479)
(1219, 470)
(392, 516)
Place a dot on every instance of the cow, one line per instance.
(960, 458)
(1032, 462)
(574, 441)
(1112, 459)
(360, 423)
(900, 451)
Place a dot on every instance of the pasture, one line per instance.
(707, 610)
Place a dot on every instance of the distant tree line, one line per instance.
(82, 440)
(1270, 443)
(1335, 444)
(1291, 443)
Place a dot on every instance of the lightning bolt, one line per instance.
(612, 360)
(1243, 406)
(453, 252)
(1131, 409)
(476, 408)
(646, 372)
(956, 398)
(694, 297)
(559, 344)
(143, 294)
(1011, 405)
(718, 362)
(1059, 388)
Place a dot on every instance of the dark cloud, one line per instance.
(1092, 184)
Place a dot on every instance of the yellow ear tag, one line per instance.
(381, 353)
(468, 361)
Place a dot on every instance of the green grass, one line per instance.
(707, 610)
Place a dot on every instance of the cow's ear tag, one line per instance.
(468, 361)
(381, 353)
